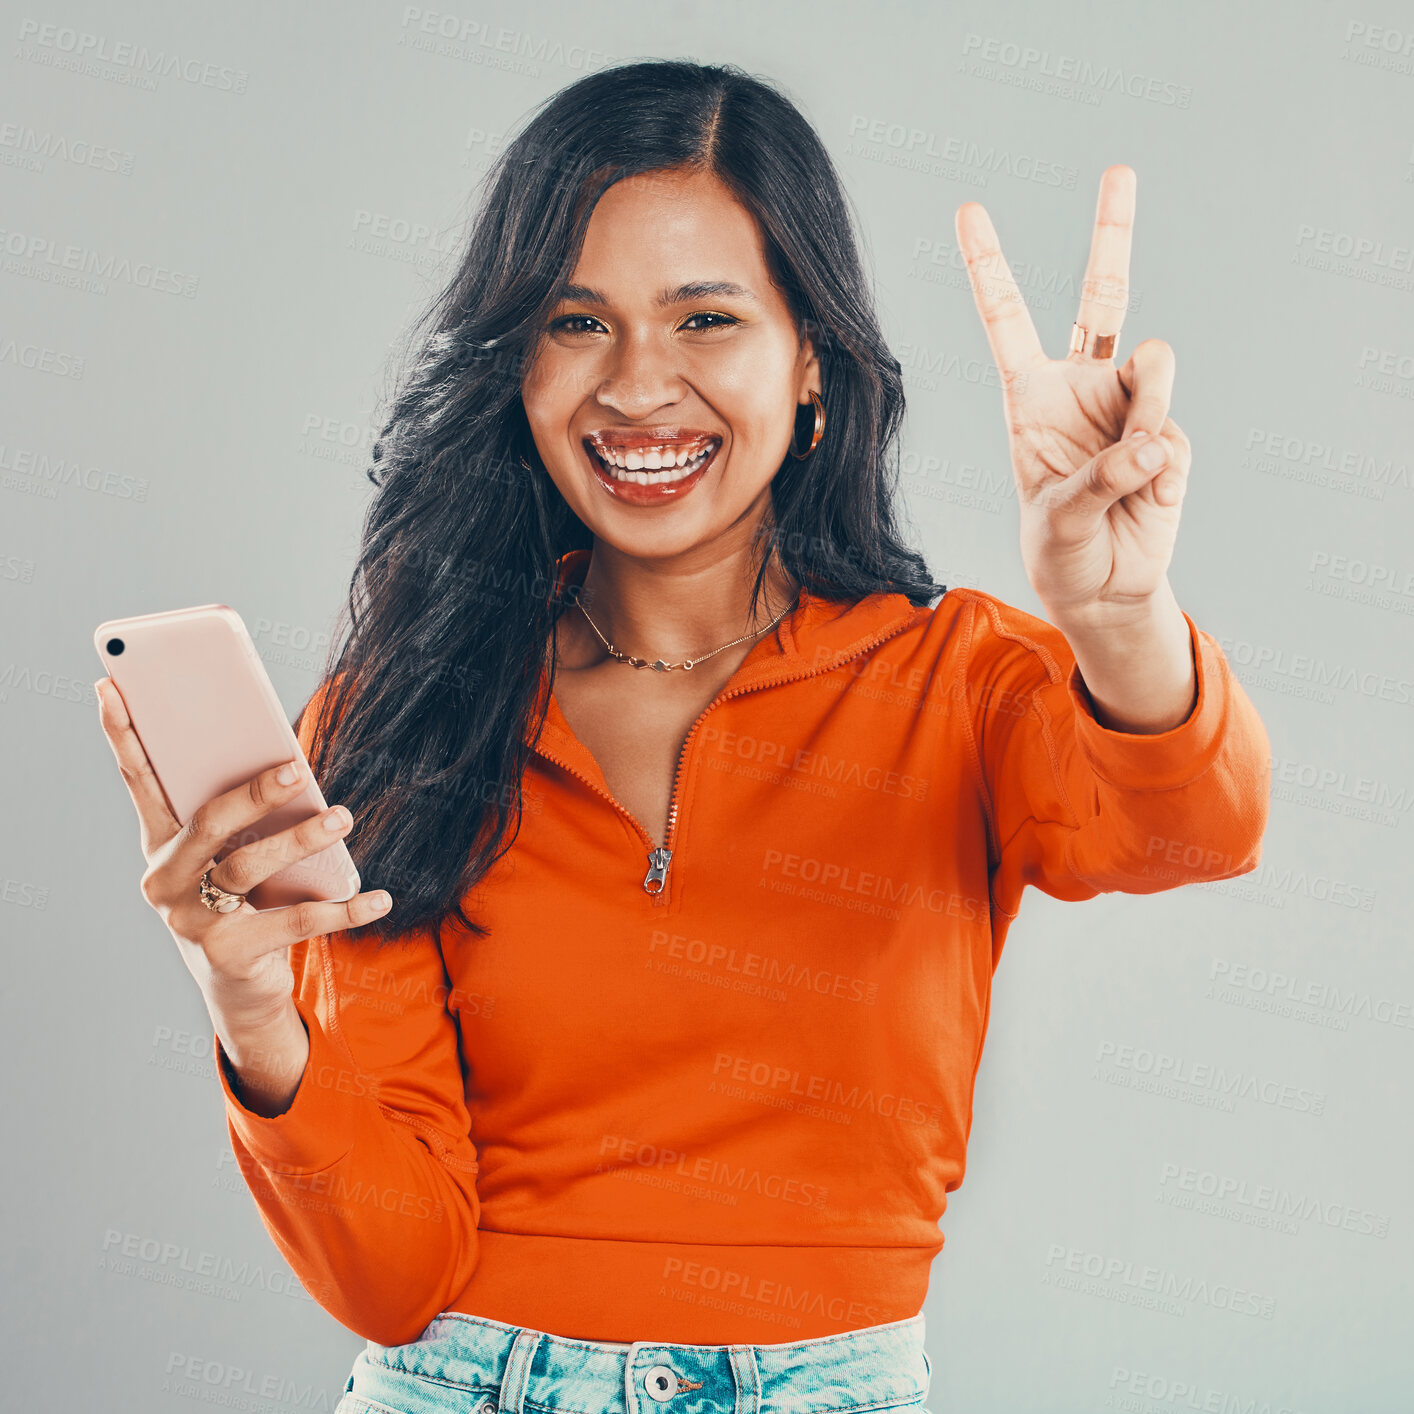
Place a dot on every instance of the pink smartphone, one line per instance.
(209, 718)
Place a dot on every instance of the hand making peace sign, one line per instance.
(1097, 524)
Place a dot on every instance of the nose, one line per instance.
(639, 379)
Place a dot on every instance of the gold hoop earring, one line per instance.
(819, 429)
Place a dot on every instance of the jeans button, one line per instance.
(661, 1382)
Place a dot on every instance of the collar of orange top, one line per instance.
(816, 635)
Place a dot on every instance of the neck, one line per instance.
(671, 609)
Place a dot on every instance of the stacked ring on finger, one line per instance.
(1087, 341)
(216, 898)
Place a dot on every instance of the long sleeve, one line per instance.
(1077, 809)
(367, 1182)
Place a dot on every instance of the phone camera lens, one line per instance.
(114, 646)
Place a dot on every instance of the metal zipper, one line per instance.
(660, 856)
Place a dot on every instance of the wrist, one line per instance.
(1105, 622)
(265, 1062)
(1138, 670)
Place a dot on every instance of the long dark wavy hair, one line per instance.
(427, 710)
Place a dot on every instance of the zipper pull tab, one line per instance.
(657, 879)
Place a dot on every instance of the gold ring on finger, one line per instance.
(216, 898)
(1086, 341)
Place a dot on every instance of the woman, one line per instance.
(652, 1083)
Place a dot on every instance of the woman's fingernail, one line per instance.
(1152, 455)
(287, 773)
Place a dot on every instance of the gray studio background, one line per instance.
(297, 184)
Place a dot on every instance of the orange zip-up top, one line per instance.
(717, 1088)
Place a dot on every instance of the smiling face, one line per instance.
(675, 359)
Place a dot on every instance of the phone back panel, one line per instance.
(209, 718)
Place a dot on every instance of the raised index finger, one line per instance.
(153, 813)
(1016, 347)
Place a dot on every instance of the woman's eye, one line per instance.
(569, 319)
(574, 323)
(726, 320)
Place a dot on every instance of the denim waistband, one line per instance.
(480, 1366)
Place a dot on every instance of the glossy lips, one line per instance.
(632, 491)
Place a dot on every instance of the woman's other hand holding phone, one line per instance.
(240, 959)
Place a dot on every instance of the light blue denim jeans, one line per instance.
(478, 1366)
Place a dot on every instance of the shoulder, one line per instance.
(1001, 640)
(969, 648)
(972, 634)
(969, 645)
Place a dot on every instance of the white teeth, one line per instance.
(656, 466)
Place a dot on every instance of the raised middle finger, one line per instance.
(1104, 293)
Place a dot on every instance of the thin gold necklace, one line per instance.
(659, 666)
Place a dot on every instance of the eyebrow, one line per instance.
(696, 289)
